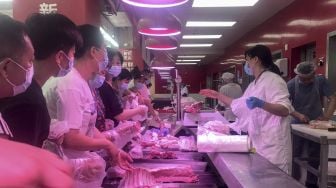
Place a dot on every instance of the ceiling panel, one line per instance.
(247, 18)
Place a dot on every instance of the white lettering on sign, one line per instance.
(46, 8)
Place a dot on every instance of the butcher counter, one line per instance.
(233, 170)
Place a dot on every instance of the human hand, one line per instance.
(142, 110)
(254, 102)
(22, 165)
(322, 118)
(123, 160)
(302, 118)
(209, 93)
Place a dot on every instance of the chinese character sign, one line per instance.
(127, 55)
(46, 8)
(128, 58)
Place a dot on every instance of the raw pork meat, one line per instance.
(315, 124)
(138, 178)
(161, 155)
(217, 126)
(175, 174)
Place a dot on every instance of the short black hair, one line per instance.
(111, 53)
(12, 33)
(92, 37)
(51, 33)
(124, 74)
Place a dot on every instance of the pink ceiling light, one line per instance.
(159, 26)
(155, 3)
(161, 43)
(162, 61)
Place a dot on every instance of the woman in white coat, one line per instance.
(264, 108)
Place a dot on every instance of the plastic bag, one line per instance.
(209, 141)
(136, 152)
(187, 143)
(89, 171)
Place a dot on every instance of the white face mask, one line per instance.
(115, 70)
(62, 72)
(18, 89)
(124, 86)
(139, 85)
(97, 81)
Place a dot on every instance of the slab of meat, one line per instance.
(138, 178)
(161, 155)
(175, 174)
(315, 124)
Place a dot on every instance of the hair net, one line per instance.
(227, 76)
(305, 69)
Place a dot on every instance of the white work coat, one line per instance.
(70, 99)
(269, 133)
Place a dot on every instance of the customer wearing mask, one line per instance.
(307, 91)
(232, 90)
(54, 38)
(264, 108)
(70, 99)
(16, 159)
(110, 93)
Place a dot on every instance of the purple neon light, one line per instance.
(155, 3)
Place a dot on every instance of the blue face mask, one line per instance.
(97, 81)
(139, 85)
(62, 72)
(124, 86)
(115, 70)
(248, 70)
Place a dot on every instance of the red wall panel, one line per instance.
(312, 19)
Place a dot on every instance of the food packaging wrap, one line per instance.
(136, 152)
(209, 141)
(187, 143)
(139, 117)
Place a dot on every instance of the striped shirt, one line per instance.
(4, 129)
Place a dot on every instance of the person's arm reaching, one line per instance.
(301, 117)
(128, 114)
(215, 95)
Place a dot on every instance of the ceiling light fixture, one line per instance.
(283, 35)
(261, 43)
(108, 38)
(201, 36)
(191, 56)
(159, 26)
(186, 63)
(161, 47)
(195, 45)
(224, 3)
(210, 24)
(188, 60)
(155, 3)
(161, 43)
(162, 68)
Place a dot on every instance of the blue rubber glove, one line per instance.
(254, 102)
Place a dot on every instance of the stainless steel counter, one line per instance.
(250, 170)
